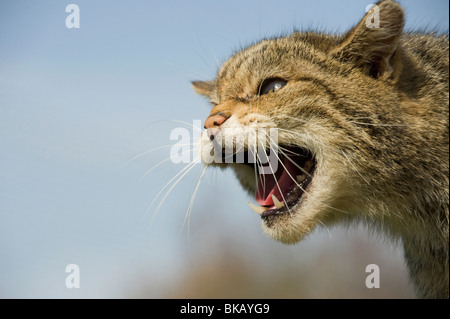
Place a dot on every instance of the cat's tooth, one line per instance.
(301, 178)
(276, 202)
(308, 165)
(257, 209)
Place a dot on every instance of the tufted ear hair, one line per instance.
(204, 88)
(373, 43)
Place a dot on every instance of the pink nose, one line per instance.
(215, 120)
(212, 124)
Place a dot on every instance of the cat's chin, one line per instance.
(282, 229)
(322, 203)
(293, 226)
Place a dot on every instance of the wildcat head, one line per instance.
(338, 105)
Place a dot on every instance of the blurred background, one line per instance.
(76, 105)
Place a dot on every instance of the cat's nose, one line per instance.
(215, 120)
(212, 124)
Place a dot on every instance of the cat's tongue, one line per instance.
(267, 183)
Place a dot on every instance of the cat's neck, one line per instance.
(426, 256)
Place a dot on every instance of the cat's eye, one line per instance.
(271, 85)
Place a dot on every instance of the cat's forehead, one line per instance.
(278, 57)
(254, 59)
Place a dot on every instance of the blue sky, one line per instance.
(76, 104)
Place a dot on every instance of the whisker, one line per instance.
(171, 188)
(255, 168)
(175, 121)
(201, 57)
(258, 168)
(276, 181)
(186, 170)
(191, 202)
(363, 118)
(295, 181)
(211, 50)
(162, 162)
(328, 231)
(355, 168)
(287, 150)
(186, 123)
(291, 117)
(352, 119)
(300, 135)
(380, 124)
(298, 166)
(150, 151)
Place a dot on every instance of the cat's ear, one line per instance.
(373, 43)
(204, 88)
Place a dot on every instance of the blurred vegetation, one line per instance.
(317, 268)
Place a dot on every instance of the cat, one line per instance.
(363, 134)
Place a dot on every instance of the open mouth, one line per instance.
(279, 191)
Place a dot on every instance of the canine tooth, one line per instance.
(257, 209)
(301, 178)
(308, 165)
(276, 202)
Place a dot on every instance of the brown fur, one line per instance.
(372, 106)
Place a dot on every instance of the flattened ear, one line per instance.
(204, 88)
(372, 44)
